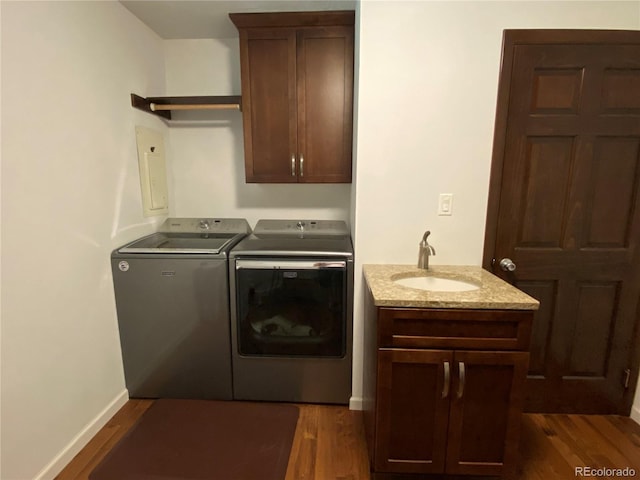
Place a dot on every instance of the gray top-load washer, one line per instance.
(172, 299)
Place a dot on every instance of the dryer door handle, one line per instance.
(288, 264)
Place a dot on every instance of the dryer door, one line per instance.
(291, 307)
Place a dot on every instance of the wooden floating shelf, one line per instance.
(162, 106)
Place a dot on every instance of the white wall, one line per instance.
(69, 184)
(70, 194)
(426, 104)
(208, 171)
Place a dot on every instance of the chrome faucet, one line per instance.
(426, 251)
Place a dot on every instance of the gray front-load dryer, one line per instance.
(292, 312)
(172, 299)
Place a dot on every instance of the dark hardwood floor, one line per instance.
(329, 444)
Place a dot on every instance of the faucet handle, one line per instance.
(424, 237)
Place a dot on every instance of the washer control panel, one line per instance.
(205, 225)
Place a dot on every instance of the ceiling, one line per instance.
(172, 19)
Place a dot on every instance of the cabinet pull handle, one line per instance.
(447, 380)
(462, 378)
(293, 165)
(301, 165)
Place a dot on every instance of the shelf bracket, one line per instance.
(144, 104)
(162, 106)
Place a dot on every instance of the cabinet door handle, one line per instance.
(462, 378)
(293, 165)
(447, 380)
(301, 165)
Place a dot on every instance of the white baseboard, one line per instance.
(356, 403)
(635, 413)
(81, 439)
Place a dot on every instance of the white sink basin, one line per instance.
(436, 284)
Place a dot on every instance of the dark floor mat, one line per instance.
(204, 440)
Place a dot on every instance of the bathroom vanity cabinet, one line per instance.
(444, 387)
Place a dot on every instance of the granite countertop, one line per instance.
(493, 292)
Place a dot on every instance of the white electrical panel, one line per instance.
(153, 172)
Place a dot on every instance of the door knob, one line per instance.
(507, 265)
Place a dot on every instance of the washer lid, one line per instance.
(191, 235)
(165, 242)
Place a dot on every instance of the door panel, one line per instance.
(545, 180)
(545, 292)
(593, 329)
(609, 224)
(565, 206)
(621, 90)
(413, 411)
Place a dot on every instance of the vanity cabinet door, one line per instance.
(413, 389)
(486, 403)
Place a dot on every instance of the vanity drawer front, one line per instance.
(452, 328)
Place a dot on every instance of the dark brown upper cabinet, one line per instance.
(297, 95)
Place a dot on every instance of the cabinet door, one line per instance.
(412, 410)
(268, 63)
(486, 407)
(325, 103)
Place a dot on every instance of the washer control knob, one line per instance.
(301, 225)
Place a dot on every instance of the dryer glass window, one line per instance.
(291, 308)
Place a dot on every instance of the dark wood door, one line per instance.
(486, 406)
(413, 410)
(325, 86)
(564, 205)
(268, 63)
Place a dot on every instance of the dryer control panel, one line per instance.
(287, 227)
